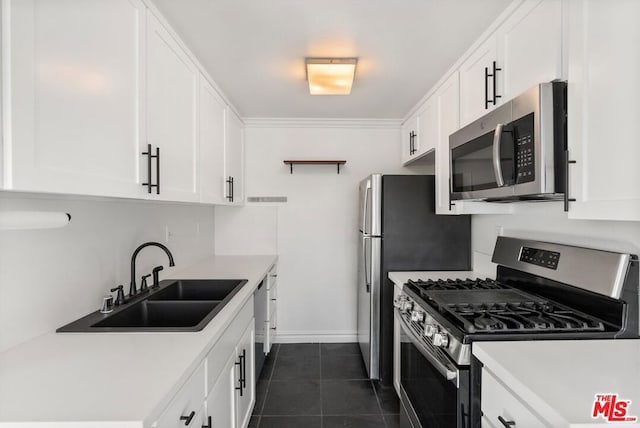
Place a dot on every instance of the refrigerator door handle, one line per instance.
(364, 208)
(367, 281)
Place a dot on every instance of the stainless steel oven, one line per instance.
(434, 391)
(541, 290)
(517, 151)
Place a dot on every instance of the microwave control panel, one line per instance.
(524, 149)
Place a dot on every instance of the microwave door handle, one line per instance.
(497, 168)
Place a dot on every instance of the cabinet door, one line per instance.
(475, 89)
(246, 400)
(73, 78)
(448, 98)
(234, 159)
(427, 127)
(212, 123)
(172, 88)
(221, 404)
(409, 138)
(531, 46)
(604, 65)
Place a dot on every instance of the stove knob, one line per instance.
(397, 303)
(429, 330)
(407, 306)
(441, 340)
(417, 316)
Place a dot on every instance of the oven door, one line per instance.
(434, 392)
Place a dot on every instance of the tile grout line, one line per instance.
(266, 391)
(320, 385)
(384, 421)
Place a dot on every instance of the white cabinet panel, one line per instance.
(448, 99)
(188, 399)
(428, 127)
(234, 159)
(246, 398)
(603, 88)
(221, 399)
(531, 46)
(172, 89)
(498, 403)
(212, 127)
(73, 85)
(475, 88)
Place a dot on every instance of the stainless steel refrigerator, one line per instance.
(399, 231)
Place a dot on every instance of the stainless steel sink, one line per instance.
(177, 305)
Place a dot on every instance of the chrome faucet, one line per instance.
(132, 287)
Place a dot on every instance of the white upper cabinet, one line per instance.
(73, 79)
(530, 46)
(448, 98)
(428, 126)
(234, 159)
(212, 134)
(477, 80)
(603, 89)
(172, 117)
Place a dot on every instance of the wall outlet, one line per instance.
(499, 230)
(167, 234)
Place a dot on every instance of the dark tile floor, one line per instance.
(311, 385)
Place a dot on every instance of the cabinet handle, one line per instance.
(209, 424)
(494, 78)
(506, 424)
(187, 419)
(567, 199)
(486, 88)
(239, 387)
(243, 373)
(230, 188)
(410, 143)
(157, 156)
(233, 185)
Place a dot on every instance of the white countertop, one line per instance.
(399, 278)
(559, 379)
(125, 378)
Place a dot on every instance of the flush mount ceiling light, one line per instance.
(330, 76)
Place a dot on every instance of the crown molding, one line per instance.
(294, 122)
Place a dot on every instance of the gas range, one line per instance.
(541, 291)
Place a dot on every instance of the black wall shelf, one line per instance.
(337, 163)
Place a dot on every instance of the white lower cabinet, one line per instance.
(222, 387)
(501, 407)
(396, 344)
(221, 404)
(186, 403)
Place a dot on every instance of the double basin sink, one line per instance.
(177, 305)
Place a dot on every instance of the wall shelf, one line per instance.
(337, 163)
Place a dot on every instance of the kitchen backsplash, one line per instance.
(50, 277)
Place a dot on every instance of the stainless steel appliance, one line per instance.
(517, 151)
(542, 291)
(399, 230)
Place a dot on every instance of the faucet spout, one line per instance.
(132, 285)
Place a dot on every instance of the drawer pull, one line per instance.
(506, 424)
(209, 424)
(187, 419)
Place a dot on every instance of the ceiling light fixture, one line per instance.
(330, 76)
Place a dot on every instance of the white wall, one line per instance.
(51, 277)
(546, 221)
(315, 231)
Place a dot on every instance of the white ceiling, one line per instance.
(255, 49)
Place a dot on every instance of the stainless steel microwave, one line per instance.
(515, 152)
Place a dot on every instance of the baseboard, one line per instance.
(315, 337)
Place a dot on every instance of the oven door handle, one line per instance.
(497, 167)
(443, 367)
